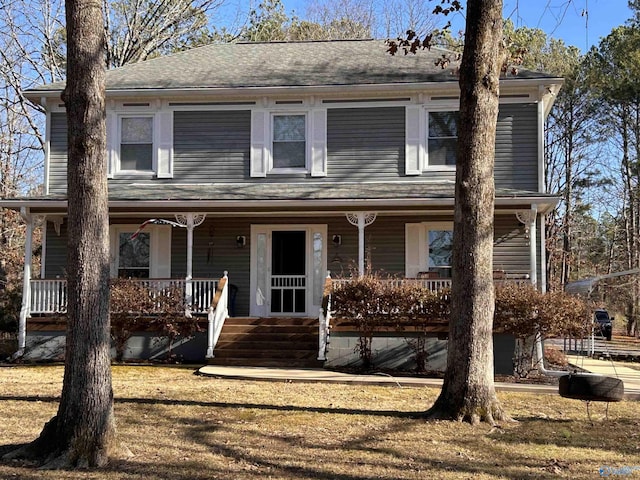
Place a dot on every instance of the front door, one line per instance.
(288, 272)
(288, 266)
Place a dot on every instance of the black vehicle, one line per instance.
(603, 324)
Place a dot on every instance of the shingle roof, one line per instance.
(267, 195)
(280, 64)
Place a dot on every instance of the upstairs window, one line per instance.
(289, 145)
(442, 139)
(136, 144)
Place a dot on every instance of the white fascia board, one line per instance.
(506, 86)
(544, 203)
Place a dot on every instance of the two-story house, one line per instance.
(281, 162)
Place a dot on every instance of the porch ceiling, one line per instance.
(274, 197)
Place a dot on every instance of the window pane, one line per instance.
(137, 130)
(289, 155)
(440, 251)
(134, 254)
(289, 128)
(443, 124)
(136, 156)
(442, 151)
(443, 138)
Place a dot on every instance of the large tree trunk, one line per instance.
(83, 431)
(468, 392)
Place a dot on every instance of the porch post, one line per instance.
(25, 309)
(528, 219)
(361, 220)
(190, 221)
(188, 292)
(533, 244)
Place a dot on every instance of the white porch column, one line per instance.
(534, 245)
(361, 220)
(25, 309)
(190, 221)
(528, 218)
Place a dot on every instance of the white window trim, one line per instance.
(262, 142)
(307, 147)
(425, 137)
(159, 243)
(162, 143)
(416, 262)
(262, 308)
(154, 145)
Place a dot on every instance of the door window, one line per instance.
(288, 272)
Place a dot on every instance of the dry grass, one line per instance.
(181, 426)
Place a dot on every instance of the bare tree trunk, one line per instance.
(83, 431)
(468, 392)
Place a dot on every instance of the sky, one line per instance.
(580, 23)
(565, 19)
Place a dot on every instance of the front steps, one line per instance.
(268, 342)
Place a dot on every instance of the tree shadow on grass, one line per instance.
(257, 406)
(394, 462)
(601, 434)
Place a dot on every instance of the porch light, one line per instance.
(241, 241)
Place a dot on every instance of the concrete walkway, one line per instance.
(630, 377)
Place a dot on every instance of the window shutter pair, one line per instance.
(162, 141)
(316, 142)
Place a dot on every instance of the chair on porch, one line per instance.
(428, 275)
(232, 293)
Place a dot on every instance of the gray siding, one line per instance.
(365, 143)
(208, 147)
(215, 250)
(211, 146)
(511, 246)
(385, 243)
(362, 144)
(56, 252)
(517, 147)
(58, 154)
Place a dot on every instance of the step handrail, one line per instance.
(217, 314)
(324, 318)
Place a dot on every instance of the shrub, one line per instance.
(371, 302)
(135, 306)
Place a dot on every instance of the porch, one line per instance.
(278, 263)
(49, 296)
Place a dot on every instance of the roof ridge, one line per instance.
(328, 40)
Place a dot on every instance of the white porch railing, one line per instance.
(324, 319)
(49, 296)
(288, 289)
(218, 313)
(428, 283)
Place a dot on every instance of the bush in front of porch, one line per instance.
(374, 305)
(138, 307)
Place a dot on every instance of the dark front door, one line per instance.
(288, 272)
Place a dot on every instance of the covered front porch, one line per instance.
(278, 259)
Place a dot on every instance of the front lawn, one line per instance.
(181, 426)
